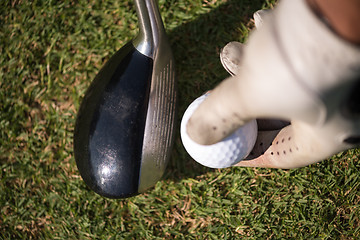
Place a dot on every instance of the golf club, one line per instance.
(124, 128)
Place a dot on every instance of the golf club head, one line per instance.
(124, 129)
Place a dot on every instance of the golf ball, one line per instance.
(225, 153)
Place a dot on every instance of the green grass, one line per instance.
(51, 51)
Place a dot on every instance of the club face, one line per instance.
(160, 120)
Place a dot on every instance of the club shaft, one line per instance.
(150, 25)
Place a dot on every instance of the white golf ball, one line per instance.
(223, 154)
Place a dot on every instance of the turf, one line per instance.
(51, 51)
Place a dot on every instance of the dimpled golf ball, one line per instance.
(225, 153)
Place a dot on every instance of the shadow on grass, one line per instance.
(196, 46)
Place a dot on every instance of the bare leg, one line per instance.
(342, 16)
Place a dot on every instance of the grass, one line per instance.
(51, 51)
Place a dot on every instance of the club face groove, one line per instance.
(159, 130)
(124, 128)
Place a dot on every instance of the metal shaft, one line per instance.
(151, 27)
